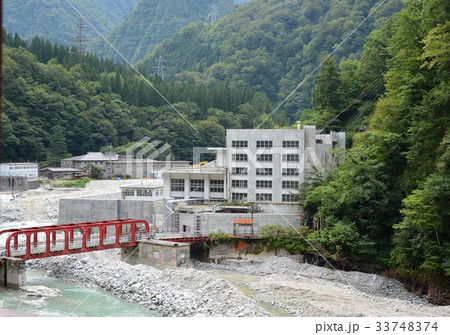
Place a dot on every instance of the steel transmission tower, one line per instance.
(81, 39)
(160, 67)
(214, 13)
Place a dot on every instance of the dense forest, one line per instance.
(151, 22)
(386, 204)
(55, 20)
(389, 201)
(271, 45)
(54, 106)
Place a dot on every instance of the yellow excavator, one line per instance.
(202, 164)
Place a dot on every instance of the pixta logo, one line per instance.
(148, 158)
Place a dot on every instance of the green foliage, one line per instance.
(269, 46)
(95, 172)
(279, 237)
(339, 241)
(63, 108)
(150, 22)
(55, 19)
(76, 183)
(394, 185)
(219, 236)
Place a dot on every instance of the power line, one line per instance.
(136, 70)
(321, 63)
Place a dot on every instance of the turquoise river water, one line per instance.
(76, 300)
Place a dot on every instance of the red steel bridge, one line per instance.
(56, 240)
(72, 238)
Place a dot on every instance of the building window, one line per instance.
(290, 144)
(239, 170)
(129, 193)
(239, 183)
(288, 197)
(177, 185)
(289, 184)
(290, 172)
(216, 186)
(264, 144)
(239, 144)
(239, 157)
(156, 254)
(239, 196)
(167, 255)
(263, 184)
(263, 172)
(290, 158)
(264, 158)
(263, 197)
(197, 185)
(144, 193)
(144, 251)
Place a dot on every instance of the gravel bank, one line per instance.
(171, 292)
(274, 286)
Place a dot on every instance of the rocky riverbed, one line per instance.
(273, 286)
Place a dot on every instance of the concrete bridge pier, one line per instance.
(13, 272)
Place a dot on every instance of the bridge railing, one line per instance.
(46, 241)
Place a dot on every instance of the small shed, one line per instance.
(243, 227)
(60, 173)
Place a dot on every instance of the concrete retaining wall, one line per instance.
(17, 184)
(75, 210)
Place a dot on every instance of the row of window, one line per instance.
(265, 171)
(197, 185)
(286, 184)
(263, 197)
(264, 144)
(265, 157)
(143, 193)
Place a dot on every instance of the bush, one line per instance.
(290, 239)
(76, 183)
(219, 237)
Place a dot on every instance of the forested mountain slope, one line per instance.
(152, 21)
(389, 201)
(55, 20)
(271, 45)
(54, 106)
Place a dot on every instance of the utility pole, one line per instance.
(81, 39)
(160, 67)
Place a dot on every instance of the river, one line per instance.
(76, 300)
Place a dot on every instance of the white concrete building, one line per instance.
(263, 166)
(26, 170)
(193, 182)
(147, 190)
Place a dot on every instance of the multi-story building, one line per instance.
(264, 166)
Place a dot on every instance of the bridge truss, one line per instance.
(56, 240)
